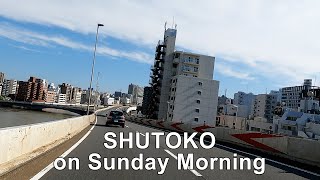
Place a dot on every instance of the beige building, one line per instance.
(51, 96)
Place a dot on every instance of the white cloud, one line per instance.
(33, 38)
(273, 38)
(228, 71)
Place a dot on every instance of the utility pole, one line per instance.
(92, 68)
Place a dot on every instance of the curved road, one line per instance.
(94, 143)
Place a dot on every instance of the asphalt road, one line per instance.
(94, 143)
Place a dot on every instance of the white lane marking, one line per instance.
(50, 166)
(127, 126)
(174, 156)
(277, 162)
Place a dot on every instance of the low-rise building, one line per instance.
(9, 87)
(62, 98)
(108, 101)
(51, 96)
(263, 106)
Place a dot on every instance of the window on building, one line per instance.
(195, 69)
(199, 92)
(200, 83)
(195, 76)
(196, 119)
(197, 110)
(198, 101)
(197, 60)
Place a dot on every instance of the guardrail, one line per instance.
(297, 149)
(20, 143)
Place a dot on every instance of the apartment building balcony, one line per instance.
(160, 57)
(161, 46)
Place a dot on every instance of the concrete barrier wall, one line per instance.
(298, 149)
(20, 140)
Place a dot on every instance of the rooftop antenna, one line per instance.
(165, 25)
(175, 26)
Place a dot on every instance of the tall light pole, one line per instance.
(92, 68)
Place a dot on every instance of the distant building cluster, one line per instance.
(39, 90)
(290, 111)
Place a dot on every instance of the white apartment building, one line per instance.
(235, 110)
(183, 84)
(244, 99)
(78, 97)
(62, 98)
(108, 101)
(290, 96)
(263, 106)
(9, 87)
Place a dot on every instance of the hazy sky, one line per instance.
(259, 45)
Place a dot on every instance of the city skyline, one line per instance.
(250, 57)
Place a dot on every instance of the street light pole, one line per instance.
(92, 68)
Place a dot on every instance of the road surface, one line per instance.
(94, 143)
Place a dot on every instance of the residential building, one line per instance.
(32, 90)
(51, 96)
(66, 89)
(244, 99)
(300, 124)
(147, 100)
(108, 101)
(277, 94)
(137, 93)
(62, 98)
(2, 78)
(263, 106)
(130, 88)
(117, 94)
(183, 89)
(95, 97)
(52, 93)
(9, 87)
(222, 100)
(234, 110)
(75, 97)
(290, 96)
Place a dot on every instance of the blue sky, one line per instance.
(267, 46)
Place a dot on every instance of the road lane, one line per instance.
(94, 144)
